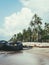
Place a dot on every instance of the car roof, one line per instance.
(3, 41)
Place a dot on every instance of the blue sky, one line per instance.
(14, 15)
(7, 7)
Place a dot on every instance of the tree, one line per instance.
(47, 28)
(25, 35)
(46, 32)
(19, 37)
(14, 38)
(29, 34)
(35, 24)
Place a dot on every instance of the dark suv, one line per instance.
(11, 46)
(2, 44)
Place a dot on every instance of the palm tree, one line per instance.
(29, 34)
(35, 23)
(19, 37)
(14, 38)
(46, 31)
(47, 27)
(24, 35)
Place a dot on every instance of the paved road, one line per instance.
(23, 58)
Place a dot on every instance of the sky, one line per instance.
(15, 15)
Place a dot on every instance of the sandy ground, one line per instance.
(39, 51)
(34, 56)
(34, 50)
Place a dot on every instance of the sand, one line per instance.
(39, 51)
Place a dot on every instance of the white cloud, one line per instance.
(39, 6)
(16, 22)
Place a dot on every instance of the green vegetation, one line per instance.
(34, 33)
